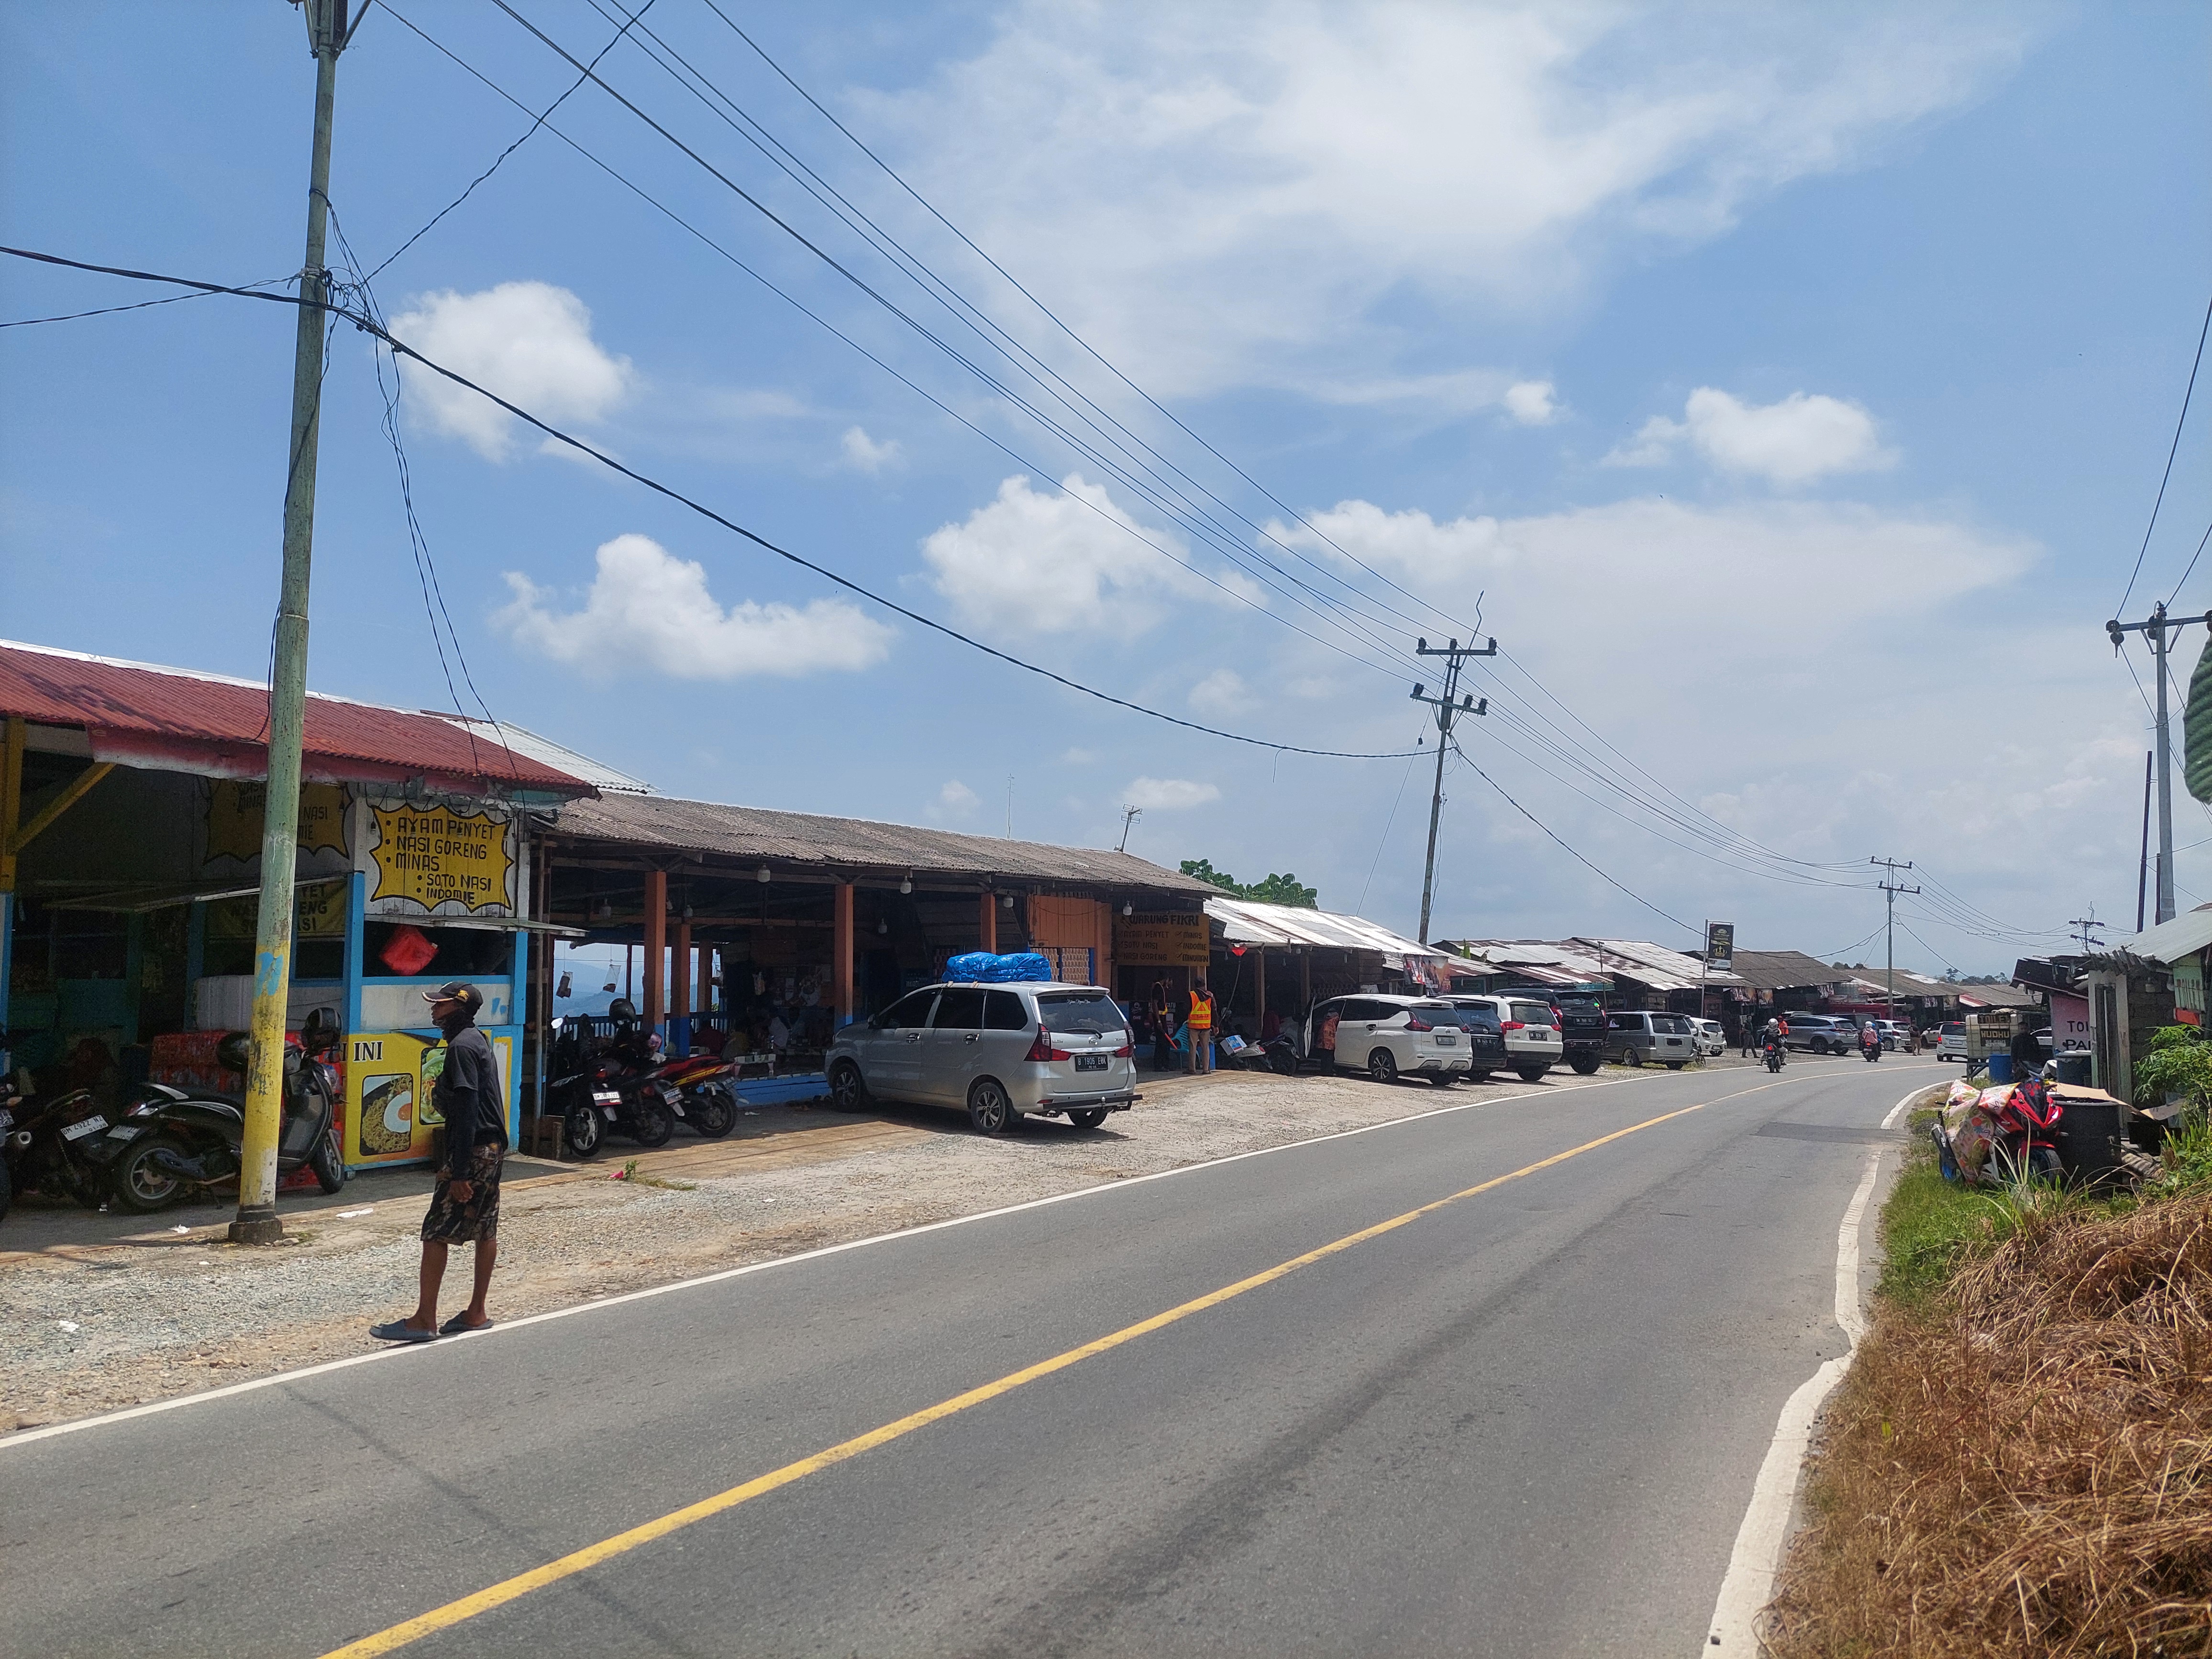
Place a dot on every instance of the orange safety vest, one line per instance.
(1201, 1012)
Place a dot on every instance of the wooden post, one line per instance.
(840, 956)
(1259, 953)
(654, 968)
(987, 919)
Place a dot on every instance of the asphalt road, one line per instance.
(1525, 1423)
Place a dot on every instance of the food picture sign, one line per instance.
(436, 861)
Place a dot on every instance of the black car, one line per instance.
(1486, 1041)
(1582, 1032)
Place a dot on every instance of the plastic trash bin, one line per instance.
(2000, 1068)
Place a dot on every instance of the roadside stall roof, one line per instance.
(792, 842)
(177, 720)
(1997, 996)
(1546, 964)
(1246, 922)
(1785, 971)
(1654, 965)
(2170, 941)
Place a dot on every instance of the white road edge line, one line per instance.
(25, 1436)
(1749, 1584)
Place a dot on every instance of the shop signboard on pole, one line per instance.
(1720, 945)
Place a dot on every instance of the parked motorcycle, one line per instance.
(2028, 1142)
(705, 1099)
(170, 1142)
(46, 1141)
(609, 1087)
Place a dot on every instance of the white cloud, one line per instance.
(529, 342)
(1803, 437)
(1036, 563)
(1532, 403)
(1265, 184)
(1222, 693)
(867, 455)
(647, 607)
(955, 803)
(1168, 794)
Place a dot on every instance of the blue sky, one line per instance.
(1791, 385)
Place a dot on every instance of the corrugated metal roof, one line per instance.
(1654, 965)
(807, 840)
(177, 720)
(1540, 960)
(1246, 922)
(558, 755)
(1785, 971)
(2170, 941)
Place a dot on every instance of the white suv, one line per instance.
(1391, 1037)
(1056, 1050)
(1533, 1043)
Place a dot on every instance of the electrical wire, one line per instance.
(2174, 449)
(1033, 468)
(2193, 557)
(528, 133)
(1237, 554)
(1387, 823)
(368, 325)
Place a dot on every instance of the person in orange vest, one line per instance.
(1200, 1058)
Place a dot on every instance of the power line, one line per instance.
(1121, 525)
(528, 133)
(1227, 544)
(368, 325)
(2193, 557)
(2172, 450)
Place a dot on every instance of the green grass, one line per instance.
(1930, 1226)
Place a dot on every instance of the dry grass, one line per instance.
(2022, 1463)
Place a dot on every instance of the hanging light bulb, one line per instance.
(1128, 908)
(881, 925)
(1006, 901)
(761, 874)
(906, 884)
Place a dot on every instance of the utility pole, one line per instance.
(2142, 862)
(1129, 816)
(1449, 707)
(2160, 629)
(328, 32)
(2089, 925)
(1890, 891)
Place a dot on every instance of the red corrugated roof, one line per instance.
(139, 715)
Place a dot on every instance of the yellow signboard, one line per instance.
(233, 820)
(389, 1076)
(434, 855)
(322, 912)
(1162, 939)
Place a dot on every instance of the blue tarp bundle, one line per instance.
(981, 968)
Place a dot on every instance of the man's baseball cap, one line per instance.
(454, 990)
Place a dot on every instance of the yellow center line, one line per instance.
(454, 1613)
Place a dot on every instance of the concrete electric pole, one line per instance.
(2160, 629)
(1449, 707)
(2089, 925)
(1890, 891)
(256, 1222)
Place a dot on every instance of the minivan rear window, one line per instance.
(1081, 1010)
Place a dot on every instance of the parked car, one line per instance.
(1532, 1040)
(1048, 1047)
(1895, 1033)
(1485, 1038)
(1712, 1041)
(1822, 1034)
(1952, 1044)
(1666, 1040)
(1392, 1037)
(1582, 1032)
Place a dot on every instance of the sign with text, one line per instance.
(1162, 938)
(430, 860)
(233, 819)
(1720, 944)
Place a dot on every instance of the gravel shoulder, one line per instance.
(102, 1313)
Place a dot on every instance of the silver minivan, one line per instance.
(1046, 1047)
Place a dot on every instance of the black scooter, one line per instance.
(46, 1143)
(173, 1144)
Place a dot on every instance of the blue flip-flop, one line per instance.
(398, 1330)
(459, 1325)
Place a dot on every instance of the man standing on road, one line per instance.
(1201, 1029)
(465, 1204)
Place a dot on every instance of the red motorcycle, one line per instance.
(2028, 1143)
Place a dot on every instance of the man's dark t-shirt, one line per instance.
(467, 1096)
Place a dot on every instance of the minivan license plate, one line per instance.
(1090, 1062)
